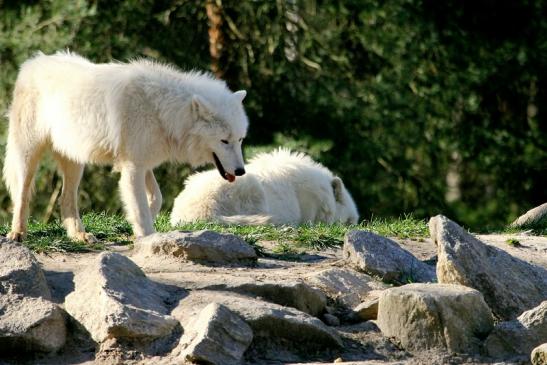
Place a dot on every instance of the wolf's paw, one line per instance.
(84, 237)
(16, 236)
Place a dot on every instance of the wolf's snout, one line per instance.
(240, 171)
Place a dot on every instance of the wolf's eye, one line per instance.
(241, 139)
(224, 141)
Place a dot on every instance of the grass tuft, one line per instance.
(513, 242)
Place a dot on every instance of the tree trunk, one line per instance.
(214, 14)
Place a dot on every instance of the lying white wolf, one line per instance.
(280, 187)
(134, 116)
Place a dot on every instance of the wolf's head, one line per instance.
(346, 210)
(221, 128)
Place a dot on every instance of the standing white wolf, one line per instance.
(280, 187)
(134, 116)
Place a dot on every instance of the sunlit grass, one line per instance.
(287, 240)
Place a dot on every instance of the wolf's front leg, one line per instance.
(133, 191)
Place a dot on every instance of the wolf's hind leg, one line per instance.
(72, 174)
(153, 194)
(133, 191)
(20, 166)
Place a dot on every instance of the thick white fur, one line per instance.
(280, 187)
(134, 116)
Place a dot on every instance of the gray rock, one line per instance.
(377, 255)
(435, 316)
(20, 273)
(29, 321)
(532, 218)
(217, 336)
(267, 320)
(346, 286)
(509, 285)
(519, 336)
(199, 246)
(331, 320)
(30, 324)
(369, 308)
(539, 355)
(113, 298)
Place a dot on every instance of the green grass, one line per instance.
(288, 241)
(513, 242)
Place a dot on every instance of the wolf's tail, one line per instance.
(250, 220)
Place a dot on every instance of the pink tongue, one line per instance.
(230, 177)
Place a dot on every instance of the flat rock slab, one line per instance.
(267, 320)
(295, 294)
(114, 299)
(273, 285)
(509, 285)
(380, 256)
(199, 246)
(217, 336)
(435, 316)
(29, 321)
(539, 355)
(344, 285)
(519, 336)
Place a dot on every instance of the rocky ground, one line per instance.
(205, 297)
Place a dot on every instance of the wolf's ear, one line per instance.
(240, 95)
(337, 188)
(200, 106)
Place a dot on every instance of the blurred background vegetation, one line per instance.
(422, 106)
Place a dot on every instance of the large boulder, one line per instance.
(114, 299)
(532, 218)
(199, 246)
(519, 336)
(380, 256)
(435, 316)
(216, 336)
(509, 285)
(267, 320)
(29, 321)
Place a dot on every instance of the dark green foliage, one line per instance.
(421, 106)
